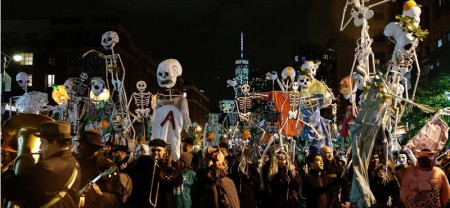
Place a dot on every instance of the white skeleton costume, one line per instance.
(212, 125)
(171, 113)
(142, 100)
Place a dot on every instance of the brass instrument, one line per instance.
(151, 185)
(18, 133)
(6, 167)
(170, 174)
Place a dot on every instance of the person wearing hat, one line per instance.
(122, 157)
(54, 181)
(183, 192)
(148, 167)
(106, 192)
(424, 185)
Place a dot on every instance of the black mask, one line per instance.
(424, 162)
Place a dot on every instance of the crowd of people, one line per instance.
(102, 174)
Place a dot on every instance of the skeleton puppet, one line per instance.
(171, 115)
(212, 125)
(22, 78)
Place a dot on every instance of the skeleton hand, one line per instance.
(232, 83)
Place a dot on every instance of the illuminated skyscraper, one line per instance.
(241, 72)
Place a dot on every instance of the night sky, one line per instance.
(204, 35)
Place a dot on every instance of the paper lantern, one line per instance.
(245, 134)
(59, 94)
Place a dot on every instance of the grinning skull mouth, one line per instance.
(166, 81)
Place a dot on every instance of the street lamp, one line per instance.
(6, 60)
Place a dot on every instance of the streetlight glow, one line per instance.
(17, 58)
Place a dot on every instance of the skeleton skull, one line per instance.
(68, 85)
(405, 43)
(84, 76)
(288, 72)
(271, 104)
(109, 40)
(214, 118)
(117, 123)
(167, 73)
(245, 89)
(295, 86)
(141, 86)
(22, 79)
(97, 86)
(304, 81)
(310, 68)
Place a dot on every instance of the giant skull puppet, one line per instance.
(167, 73)
(97, 86)
(310, 68)
(109, 40)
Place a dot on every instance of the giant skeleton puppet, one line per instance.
(372, 110)
(142, 100)
(30, 102)
(314, 96)
(115, 76)
(404, 55)
(171, 113)
(212, 126)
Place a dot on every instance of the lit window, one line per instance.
(439, 43)
(448, 36)
(27, 59)
(50, 80)
(30, 80)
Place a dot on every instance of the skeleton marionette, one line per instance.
(79, 85)
(230, 122)
(245, 103)
(142, 100)
(171, 113)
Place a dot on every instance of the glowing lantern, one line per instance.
(245, 134)
(210, 136)
(345, 85)
(105, 124)
(104, 96)
(59, 94)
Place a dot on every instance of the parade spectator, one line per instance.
(122, 157)
(212, 187)
(188, 146)
(283, 182)
(183, 192)
(334, 169)
(54, 181)
(317, 186)
(425, 185)
(381, 181)
(108, 150)
(106, 192)
(147, 168)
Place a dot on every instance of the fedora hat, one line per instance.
(91, 137)
(58, 130)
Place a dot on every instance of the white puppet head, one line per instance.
(304, 81)
(310, 68)
(227, 107)
(141, 86)
(295, 86)
(22, 78)
(97, 86)
(109, 40)
(84, 76)
(214, 118)
(68, 85)
(167, 73)
(405, 43)
(411, 9)
(288, 73)
(245, 88)
(271, 76)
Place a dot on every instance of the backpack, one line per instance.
(127, 185)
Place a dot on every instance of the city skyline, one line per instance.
(203, 36)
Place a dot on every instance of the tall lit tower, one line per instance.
(241, 71)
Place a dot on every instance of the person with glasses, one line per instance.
(142, 173)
